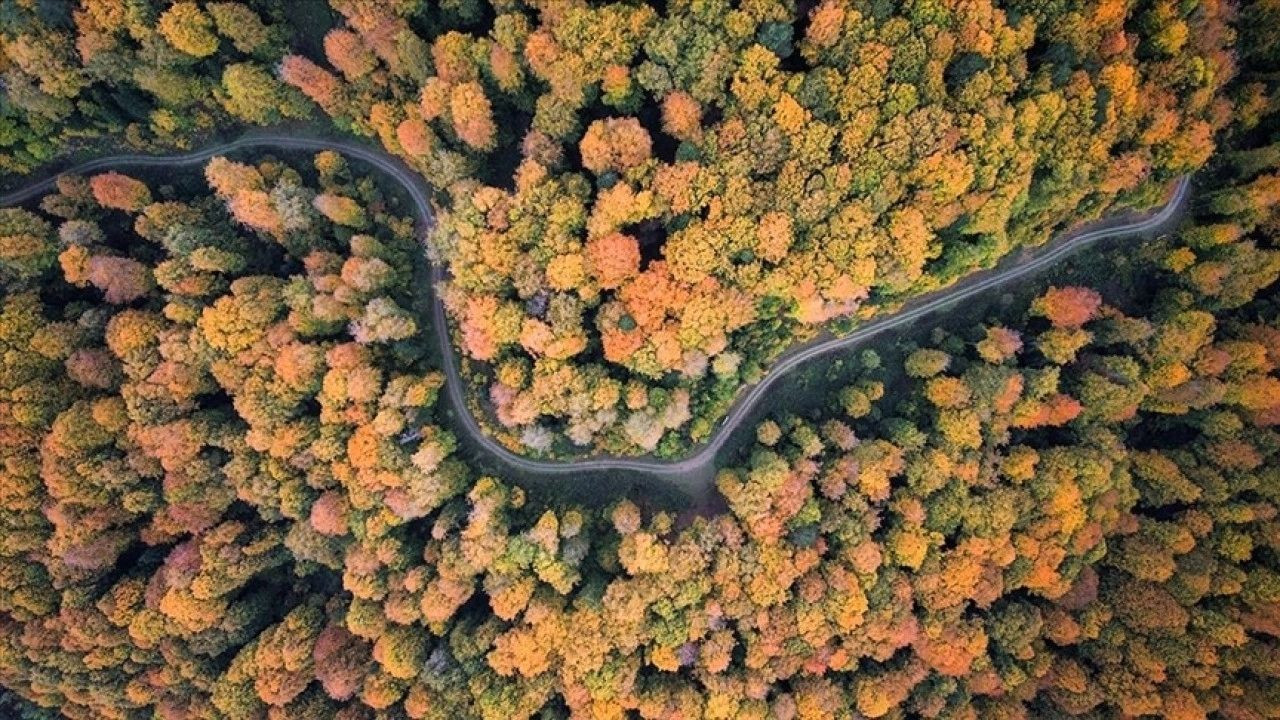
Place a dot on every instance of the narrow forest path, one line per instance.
(694, 474)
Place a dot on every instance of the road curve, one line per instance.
(698, 463)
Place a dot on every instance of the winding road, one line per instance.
(693, 474)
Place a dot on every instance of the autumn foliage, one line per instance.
(119, 192)
(135, 75)
(231, 487)
(801, 165)
(782, 171)
(237, 455)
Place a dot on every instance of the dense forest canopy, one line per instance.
(699, 188)
(229, 487)
(641, 206)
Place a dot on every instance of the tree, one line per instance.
(383, 321)
(682, 116)
(251, 93)
(314, 81)
(616, 144)
(613, 259)
(340, 209)
(122, 280)
(242, 26)
(26, 247)
(188, 28)
(1068, 308)
(999, 345)
(347, 52)
(472, 116)
(341, 660)
(927, 362)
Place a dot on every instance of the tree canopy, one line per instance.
(230, 486)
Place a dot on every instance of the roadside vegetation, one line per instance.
(640, 209)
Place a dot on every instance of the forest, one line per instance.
(636, 221)
(231, 486)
